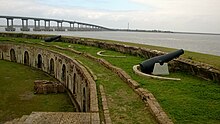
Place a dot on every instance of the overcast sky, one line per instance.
(173, 15)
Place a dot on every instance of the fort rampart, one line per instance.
(199, 69)
(77, 80)
(190, 66)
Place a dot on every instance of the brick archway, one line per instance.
(26, 58)
(12, 55)
(63, 76)
(39, 61)
(52, 66)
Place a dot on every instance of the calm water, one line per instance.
(209, 44)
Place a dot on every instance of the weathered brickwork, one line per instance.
(107, 118)
(46, 87)
(69, 72)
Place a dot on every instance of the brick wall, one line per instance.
(69, 72)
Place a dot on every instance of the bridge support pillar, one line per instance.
(25, 26)
(96, 28)
(47, 28)
(36, 25)
(93, 28)
(87, 28)
(82, 27)
(9, 26)
(99, 29)
(71, 27)
(59, 26)
(79, 27)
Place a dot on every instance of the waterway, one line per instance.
(208, 44)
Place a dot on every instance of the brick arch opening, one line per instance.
(52, 66)
(39, 61)
(63, 76)
(2, 56)
(12, 55)
(56, 64)
(74, 83)
(84, 99)
(26, 58)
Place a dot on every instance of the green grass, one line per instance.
(124, 105)
(19, 40)
(205, 58)
(191, 100)
(17, 94)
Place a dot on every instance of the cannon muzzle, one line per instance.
(147, 66)
(50, 39)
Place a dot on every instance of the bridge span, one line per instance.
(73, 25)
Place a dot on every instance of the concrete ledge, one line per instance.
(136, 70)
(62, 118)
(100, 54)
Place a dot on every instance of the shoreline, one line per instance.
(167, 49)
(137, 30)
(207, 44)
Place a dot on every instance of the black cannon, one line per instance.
(147, 66)
(50, 39)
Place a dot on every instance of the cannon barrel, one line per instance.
(50, 39)
(147, 66)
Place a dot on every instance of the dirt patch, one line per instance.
(27, 96)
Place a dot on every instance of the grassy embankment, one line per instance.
(125, 106)
(17, 94)
(191, 100)
(205, 58)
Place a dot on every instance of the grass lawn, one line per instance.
(215, 60)
(191, 100)
(17, 94)
(124, 105)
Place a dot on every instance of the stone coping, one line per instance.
(105, 105)
(100, 54)
(138, 72)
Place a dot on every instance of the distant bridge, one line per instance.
(74, 25)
